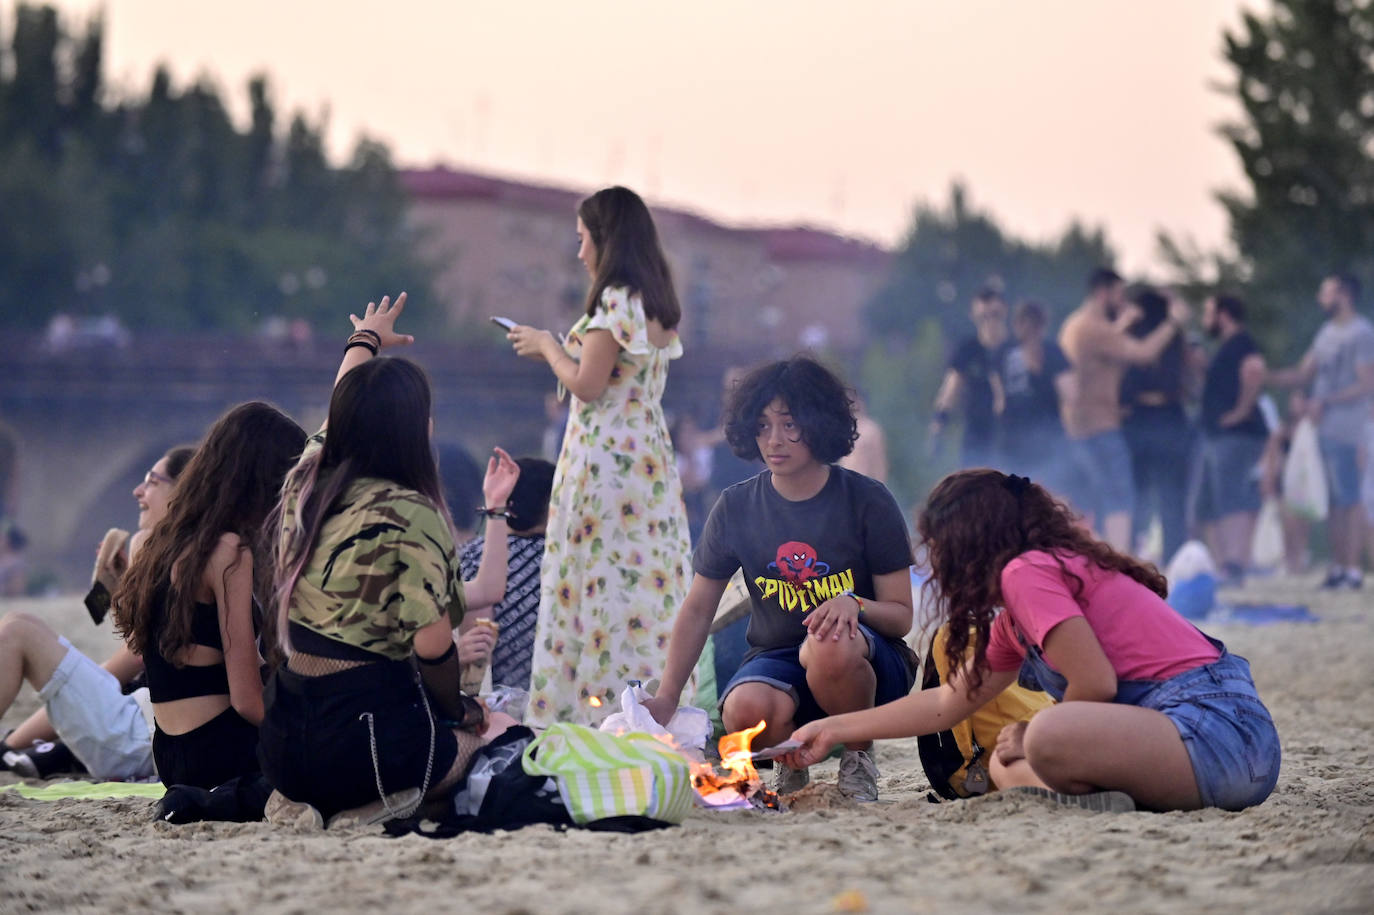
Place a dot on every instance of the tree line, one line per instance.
(157, 207)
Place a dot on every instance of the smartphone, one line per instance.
(505, 324)
(97, 603)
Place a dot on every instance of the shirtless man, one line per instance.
(1095, 340)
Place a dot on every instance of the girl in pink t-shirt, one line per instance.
(1151, 712)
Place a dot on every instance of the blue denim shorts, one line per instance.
(1227, 731)
(781, 669)
(1342, 464)
(1229, 483)
(1104, 483)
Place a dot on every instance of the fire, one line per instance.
(740, 778)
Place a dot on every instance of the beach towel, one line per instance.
(56, 791)
(1261, 614)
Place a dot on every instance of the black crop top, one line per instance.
(166, 681)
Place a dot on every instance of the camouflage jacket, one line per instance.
(383, 566)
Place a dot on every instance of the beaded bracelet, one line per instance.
(857, 599)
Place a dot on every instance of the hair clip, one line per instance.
(1015, 485)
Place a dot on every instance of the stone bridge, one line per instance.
(88, 422)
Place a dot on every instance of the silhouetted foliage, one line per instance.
(162, 211)
(1304, 78)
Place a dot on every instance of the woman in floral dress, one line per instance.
(617, 547)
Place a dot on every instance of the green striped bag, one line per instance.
(603, 775)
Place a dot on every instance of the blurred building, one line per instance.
(509, 248)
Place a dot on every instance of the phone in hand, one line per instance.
(505, 324)
(97, 602)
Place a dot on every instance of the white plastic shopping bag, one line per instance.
(689, 727)
(1304, 477)
(1266, 549)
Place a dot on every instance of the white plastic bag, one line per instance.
(689, 727)
(1304, 478)
(1191, 560)
(1266, 549)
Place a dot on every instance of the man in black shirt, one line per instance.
(1034, 374)
(1234, 433)
(972, 380)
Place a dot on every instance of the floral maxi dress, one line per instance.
(617, 552)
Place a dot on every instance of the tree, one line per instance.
(160, 209)
(950, 253)
(1304, 78)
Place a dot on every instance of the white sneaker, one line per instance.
(787, 780)
(858, 776)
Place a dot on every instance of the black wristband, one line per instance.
(363, 343)
(434, 662)
(473, 712)
(376, 337)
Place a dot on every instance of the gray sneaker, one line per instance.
(858, 776)
(787, 780)
(1096, 801)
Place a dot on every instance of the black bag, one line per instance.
(497, 793)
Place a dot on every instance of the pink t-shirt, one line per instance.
(1142, 636)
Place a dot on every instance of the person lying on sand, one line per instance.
(1152, 712)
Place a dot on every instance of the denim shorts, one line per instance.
(1105, 484)
(1226, 729)
(103, 728)
(1342, 464)
(1229, 485)
(781, 669)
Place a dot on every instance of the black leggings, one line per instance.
(222, 748)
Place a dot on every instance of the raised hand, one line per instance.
(502, 472)
(381, 319)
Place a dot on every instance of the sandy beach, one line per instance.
(1309, 848)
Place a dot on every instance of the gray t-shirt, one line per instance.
(797, 555)
(1339, 349)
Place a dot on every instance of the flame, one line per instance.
(594, 701)
(736, 758)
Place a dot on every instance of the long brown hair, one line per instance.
(977, 521)
(628, 253)
(378, 427)
(227, 487)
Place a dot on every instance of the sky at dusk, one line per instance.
(837, 114)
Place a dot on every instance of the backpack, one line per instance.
(955, 760)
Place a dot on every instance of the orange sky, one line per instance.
(840, 114)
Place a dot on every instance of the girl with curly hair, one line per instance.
(1151, 711)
